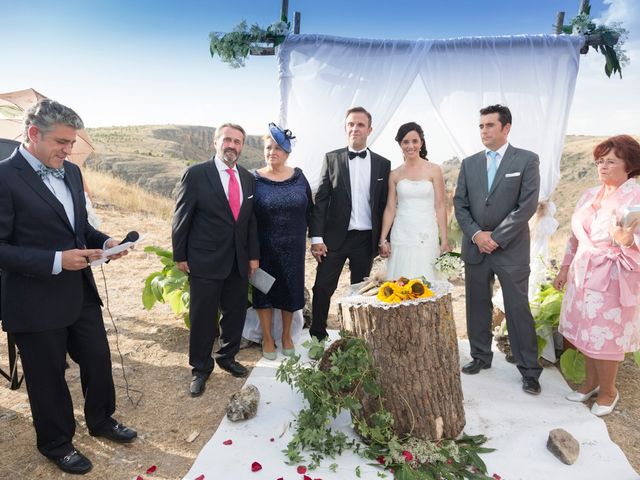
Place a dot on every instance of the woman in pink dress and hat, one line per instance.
(601, 269)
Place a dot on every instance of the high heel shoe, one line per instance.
(602, 410)
(269, 355)
(289, 352)
(577, 396)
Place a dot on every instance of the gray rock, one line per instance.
(243, 405)
(8, 415)
(562, 444)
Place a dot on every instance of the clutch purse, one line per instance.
(630, 214)
(262, 280)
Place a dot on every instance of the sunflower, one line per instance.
(390, 292)
(418, 290)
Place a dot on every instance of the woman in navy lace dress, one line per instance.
(282, 204)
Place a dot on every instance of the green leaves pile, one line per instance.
(169, 285)
(234, 47)
(545, 309)
(338, 382)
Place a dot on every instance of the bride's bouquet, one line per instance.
(449, 264)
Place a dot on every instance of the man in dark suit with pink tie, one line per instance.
(215, 241)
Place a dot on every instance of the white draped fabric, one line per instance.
(321, 76)
(534, 75)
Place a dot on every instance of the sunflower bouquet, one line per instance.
(404, 289)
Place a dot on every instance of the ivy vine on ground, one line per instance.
(335, 383)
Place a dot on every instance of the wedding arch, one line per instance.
(321, 76)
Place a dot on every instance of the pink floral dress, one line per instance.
(600, 311)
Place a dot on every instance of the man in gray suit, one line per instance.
(496, 195)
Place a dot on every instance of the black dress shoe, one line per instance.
(117, 433)
(474, 366)
(198, 385)
(531, 385)
(234, 368)
(74, 462)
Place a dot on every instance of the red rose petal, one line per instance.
(139, 478)
(152, 469)
(380, 460)
(307, 477)
(496, 476)
(272, 439)
(199, 477)
(227, 442)
(301, 469)
(255, 467)
(407, 456)
(280, 478)
(450, 461)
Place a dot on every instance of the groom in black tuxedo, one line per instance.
(347, 215)
(50, 303)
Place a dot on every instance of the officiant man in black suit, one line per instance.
(347, 214)
(215, 241)
(50, 303)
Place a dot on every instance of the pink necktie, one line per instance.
(234, 193)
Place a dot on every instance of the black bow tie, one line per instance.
(361, 154)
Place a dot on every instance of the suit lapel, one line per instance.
(343, 169)
(74, 184)
(31, 178)
(375, 169)
(247, 191)
(216, 184)
(502, 168)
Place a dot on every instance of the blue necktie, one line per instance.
(493, 166)
(43, 171)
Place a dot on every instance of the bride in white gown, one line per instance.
(415, 212)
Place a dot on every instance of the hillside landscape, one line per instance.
(155, 156)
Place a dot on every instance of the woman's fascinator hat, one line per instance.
(281, 137)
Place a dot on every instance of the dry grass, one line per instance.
(108, 190)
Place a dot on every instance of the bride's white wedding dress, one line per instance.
(415, 244)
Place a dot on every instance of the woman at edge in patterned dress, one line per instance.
(601, 269)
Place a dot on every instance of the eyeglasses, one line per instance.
(609, 163)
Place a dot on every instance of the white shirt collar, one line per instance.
(30, 158)
(500, 151)
(222, 167)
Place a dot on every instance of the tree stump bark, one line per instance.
(415, 349)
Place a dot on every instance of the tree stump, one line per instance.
(415, 349)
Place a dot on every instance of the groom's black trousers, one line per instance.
(356, 248)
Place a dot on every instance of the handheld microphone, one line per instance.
(132, 236)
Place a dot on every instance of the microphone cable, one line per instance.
(127, 387)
